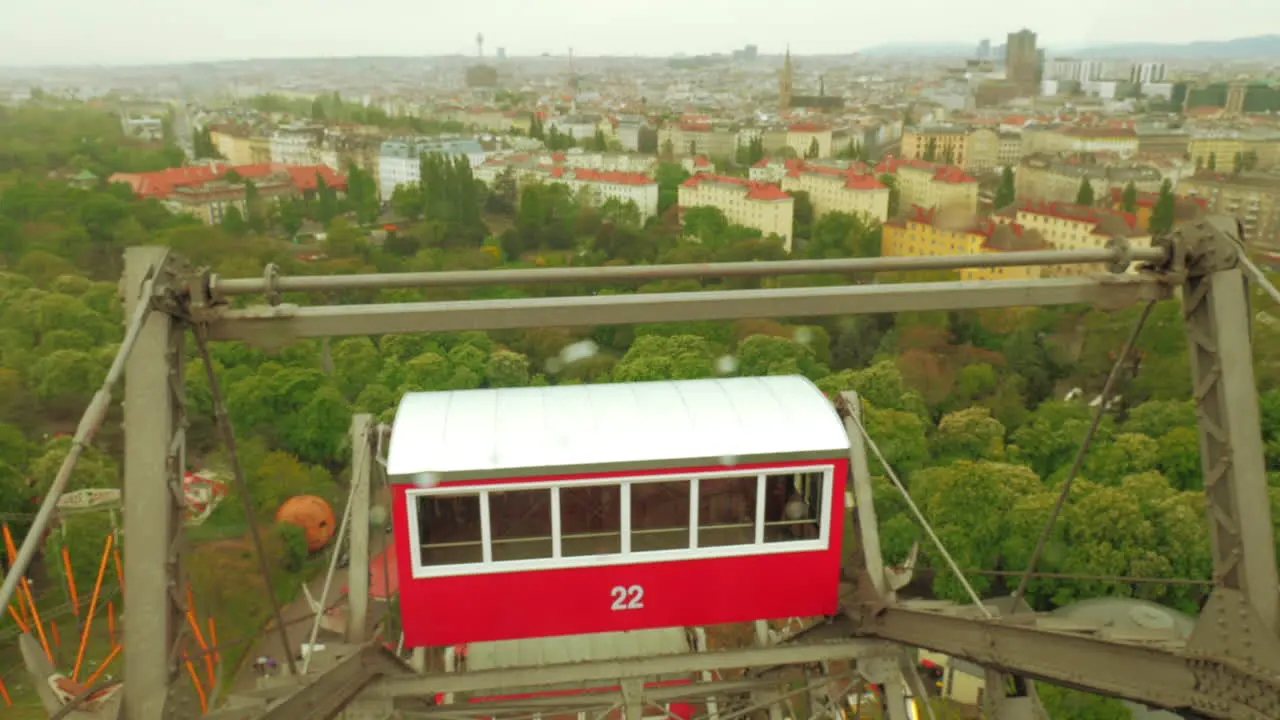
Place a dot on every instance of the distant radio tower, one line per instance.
(480, 44)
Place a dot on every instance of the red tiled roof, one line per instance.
(1076, 213)
(1149, 199)
(163, 182)
(754, 190)
(808, 128)
(762, 191)
(891, 164)
(701, 161)
(952, 175)
(694, 127)
(617, 178)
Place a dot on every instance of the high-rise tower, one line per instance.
(1020, 59)
(785, 83)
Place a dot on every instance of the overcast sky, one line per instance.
(110, 32)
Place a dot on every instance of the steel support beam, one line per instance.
(586, 675)
(154, 461)
(276, 324)
(358, 562)
(336, 686)
(273, 283)
(1150, 670)
(1231, 456)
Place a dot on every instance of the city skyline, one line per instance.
(79, 32)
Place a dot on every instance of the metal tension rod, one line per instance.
(226, 287)
(90, 422)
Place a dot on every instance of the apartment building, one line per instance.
(596, 186)
(399, 159)
(1184, 208)
(969, 148)
(1057, 178)
(853, 190)
(1253, 198)
(1054, 139)
(803, 137)
(1066, 226)
(240, 144)
(755, 205)
(1217, 149)
(1010, 149)
(928, 232)
(297, 144)
(206, 191)
(578, 158)
(931, 186)
(773, 170)
(698, 138)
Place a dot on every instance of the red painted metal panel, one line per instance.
(571, 601)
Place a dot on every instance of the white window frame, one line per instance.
(488, 566)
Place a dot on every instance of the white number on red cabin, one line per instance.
(627, 598)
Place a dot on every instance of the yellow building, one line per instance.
(1051, 178)
(932, 186)
(695, 138)
(239, 145)
(1218, 151)
(1065, 226)
(1184, 208)
(969, 148)
(755, 205)
(830, 189)
(802, 137)
(1252, 198)
(928, 232)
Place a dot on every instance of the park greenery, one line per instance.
(969, 408)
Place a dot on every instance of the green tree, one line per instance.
(1129, 200)
(1212, 165)
(1005, 191)
(931, 150)
(1162, 213)
(895, 193)
(814, 150)
(1084, 196)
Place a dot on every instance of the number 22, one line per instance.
(627, 598)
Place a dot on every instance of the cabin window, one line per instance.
(794, 504)
(590, 520)
(727, 510)
(520, 524)
(525, 526)
(660, 515)
(449, 531)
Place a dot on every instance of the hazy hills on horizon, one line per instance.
(1245, 48)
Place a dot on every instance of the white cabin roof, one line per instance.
(568, 429)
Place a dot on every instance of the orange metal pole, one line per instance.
(4, 693)
(93, 605)
(111, 622)
(71, 581)
(12, 552)
(18, 618)
(97, 673)
(191, 601)
(213, 642)
(119, 569)
(35, 620)
(204, 648)
(195, 680)
(53, 630)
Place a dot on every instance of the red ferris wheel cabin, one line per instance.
(541, 512)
